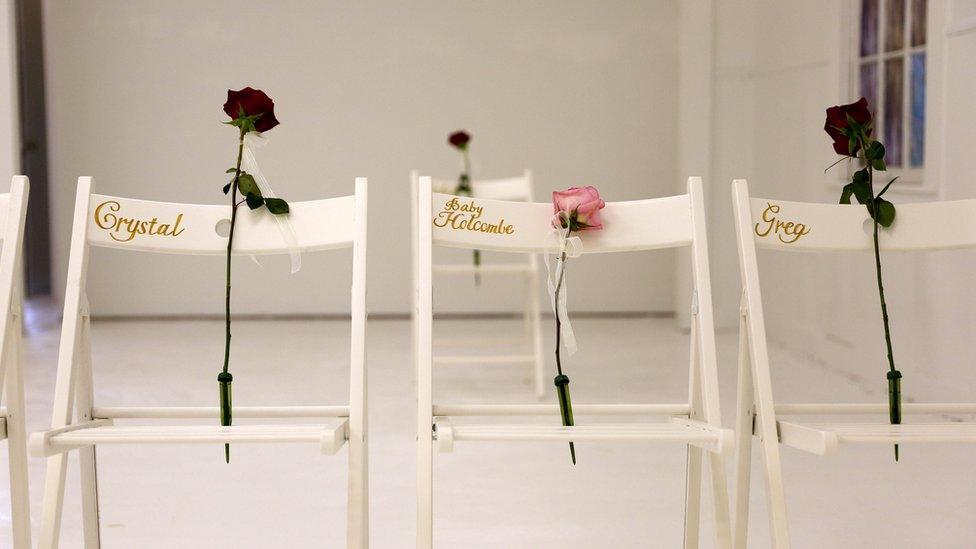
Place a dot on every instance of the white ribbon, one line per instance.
(249, 164)
(572, 247)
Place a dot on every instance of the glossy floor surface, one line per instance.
(621, 495)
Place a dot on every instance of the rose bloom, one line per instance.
(253, 102)
(837, 121)
(581, 204)
(459, 139)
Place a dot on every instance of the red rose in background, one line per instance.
(459, 139)
(838, 128)
(254, 103)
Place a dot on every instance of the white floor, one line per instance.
(502, 495)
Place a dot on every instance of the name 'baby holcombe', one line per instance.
(466, 216)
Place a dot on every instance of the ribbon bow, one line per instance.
(568, 247)
(249, 164)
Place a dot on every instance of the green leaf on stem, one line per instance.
(874, 154)
(254, 201)
(861, 186)
(233, 170)
(247, 185)
(884, 212)
(276, 206)
(227, 187)
(845, 195)
(885, 189)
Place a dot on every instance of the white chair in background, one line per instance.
(516, 189)
(672, 222)
(828, 228)
(13, 212)
(192, 229)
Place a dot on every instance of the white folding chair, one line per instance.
(826, 228)
(13, 212)
(192, 229)
(511, 188)
(671, 222)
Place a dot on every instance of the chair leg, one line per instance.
(743, 479)
(693, 497)
(745, 416)
(536, 320)
(765, 427)
(358, 509)
(57, 468)
(17, 446)
(19, 491)
(720, 501)
(89, 497)
(775, 498)
(425, 493)
(413, 336)
(86, 456)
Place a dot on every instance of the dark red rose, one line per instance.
(837, 122)
(254, 102)
(459, 139)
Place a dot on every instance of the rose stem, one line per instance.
(467, 181)
(877, 264)
(559, 365)
(230, 245)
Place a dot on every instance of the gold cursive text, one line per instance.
(465, 216)
(788, 232)
(106, 218)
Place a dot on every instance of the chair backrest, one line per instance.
(807, 227)
(518, 188)
(486, 224)
(167, 227)
(510, 188)
(192, 229)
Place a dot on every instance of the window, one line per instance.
(889, 70)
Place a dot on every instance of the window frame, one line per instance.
(926, 179)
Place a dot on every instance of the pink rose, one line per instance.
(581, 205)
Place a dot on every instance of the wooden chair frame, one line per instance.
(827, 228)
(191, 229)
(520, 189)
(13, 212)
(672, 222)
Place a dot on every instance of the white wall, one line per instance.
(770, 105)
(582, 93)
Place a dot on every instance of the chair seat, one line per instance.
(708, 437)
(330, 436)
(461, 268)
(823, 438)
